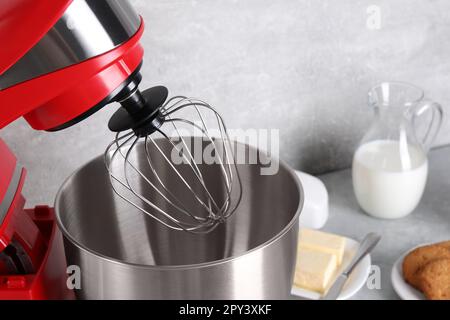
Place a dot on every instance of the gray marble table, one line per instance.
(430, 222)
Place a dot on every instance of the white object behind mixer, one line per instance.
(315, 208)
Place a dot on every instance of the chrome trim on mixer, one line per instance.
(87, 29)
(5, 204)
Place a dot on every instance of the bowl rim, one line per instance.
(292, 223)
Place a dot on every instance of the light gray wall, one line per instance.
(301, 66)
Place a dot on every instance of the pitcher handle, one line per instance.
(437, 116)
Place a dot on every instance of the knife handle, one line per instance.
(368, 243)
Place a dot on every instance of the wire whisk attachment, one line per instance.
(178, 166)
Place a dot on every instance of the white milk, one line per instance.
(389, 178)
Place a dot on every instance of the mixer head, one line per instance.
(182, 138)
(64, 60)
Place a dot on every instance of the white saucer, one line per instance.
(354, 283)
(403, 289)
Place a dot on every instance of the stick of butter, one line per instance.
(314, 269)
(323, 242)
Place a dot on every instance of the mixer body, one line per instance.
(32, 260)
(59, 70)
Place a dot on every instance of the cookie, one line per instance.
(418, 258)
(434, 279)
(445, 244)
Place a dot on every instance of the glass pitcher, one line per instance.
(390, 165)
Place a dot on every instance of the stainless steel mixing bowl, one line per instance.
(124, 254)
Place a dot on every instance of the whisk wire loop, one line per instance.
(206, 202)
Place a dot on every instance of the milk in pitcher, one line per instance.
(389, 178)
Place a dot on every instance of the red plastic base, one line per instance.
(49, 280)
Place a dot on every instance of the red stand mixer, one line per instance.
(61, 61)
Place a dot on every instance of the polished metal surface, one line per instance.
(124, 254)
(87, 29)
(216, 198)
(367, 245)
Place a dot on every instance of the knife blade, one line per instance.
(369, 242)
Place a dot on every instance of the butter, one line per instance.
(314, 269)
(323, 242)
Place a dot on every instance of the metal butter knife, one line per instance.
(369, 242)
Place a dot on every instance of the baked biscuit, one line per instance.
(418, 258)
(445, 244)
(434, 279)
